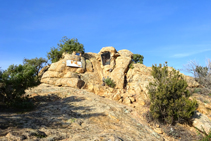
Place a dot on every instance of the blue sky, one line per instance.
(176, 31)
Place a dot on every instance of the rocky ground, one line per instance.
(64, 113)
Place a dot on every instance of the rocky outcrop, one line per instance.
(98, 66)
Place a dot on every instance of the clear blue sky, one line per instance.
(176, 31)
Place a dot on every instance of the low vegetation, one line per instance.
(131, 65)
(109, 82)
(169, 96)
(65, 45)
(16, 79)
(202, 74)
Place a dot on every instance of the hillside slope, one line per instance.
(65, 113)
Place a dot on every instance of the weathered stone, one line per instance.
(112, 50)
(51, 74)
(125, 53)
(83, 62)
(127, 100)
(201, 122)
(158, 130)
(132, 99)
(49, 80)
(118, 74)
(72, 82)
(43, 70)
(80, 70)
(89, 67)
(91, 77)
(191, 82)
(117, 97)
(61, 66)
(71, 75)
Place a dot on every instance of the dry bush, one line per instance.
(201, 74)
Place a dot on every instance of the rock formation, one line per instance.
(93, 68)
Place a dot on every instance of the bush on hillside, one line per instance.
(201, 74)
(131, 65)
(137, 58)
(15, 80)
(169, 96)
(65, 45)
(38, 63)
(109, 82)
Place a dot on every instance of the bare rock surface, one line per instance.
(65, 113)
(201, 122)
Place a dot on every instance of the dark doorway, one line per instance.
(105, 58)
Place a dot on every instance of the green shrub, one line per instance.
(38, 63)
(169, 96)
(137, 58)
(131, 65)
(197, 90)
(65, 45)
(15, 80)
(109, 82)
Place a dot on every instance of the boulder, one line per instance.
(43, 70)
(191, 82)
(51, 81)
(125, 53)
(110, 49)
(71, 82)
(201, 122)
(71, 75)
(90, 77)
(52, 74)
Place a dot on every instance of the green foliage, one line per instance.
(15, 80)
(65, 45)
(131, 65)
(201, 71)
(197, 90)
(108, 81)
(38, 63)
(137, 58)
(169, 96)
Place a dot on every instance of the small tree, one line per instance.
(15, 80)
(169, 96)
(137, 58)
(65, 45)
(38, 63)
